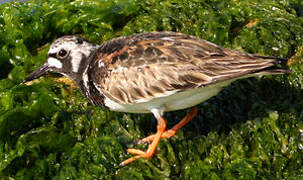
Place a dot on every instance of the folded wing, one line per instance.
(152, 65)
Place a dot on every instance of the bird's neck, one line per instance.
(85, 82)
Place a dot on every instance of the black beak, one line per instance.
(42, 70)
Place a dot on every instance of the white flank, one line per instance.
(53, 62)
(173, 102)
(168, 93)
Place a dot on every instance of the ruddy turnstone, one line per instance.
(152, 73)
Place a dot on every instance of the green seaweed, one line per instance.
(252, 130)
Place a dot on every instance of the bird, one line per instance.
(153, 72)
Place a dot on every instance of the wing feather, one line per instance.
(155, 65)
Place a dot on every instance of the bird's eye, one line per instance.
(62, 53)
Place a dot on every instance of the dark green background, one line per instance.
(252, 130)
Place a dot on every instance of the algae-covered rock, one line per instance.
(252, 130)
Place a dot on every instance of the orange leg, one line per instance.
(161, 133)
(171, 132)
(152, 147)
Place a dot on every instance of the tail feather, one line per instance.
(278, 59)
(273, 69)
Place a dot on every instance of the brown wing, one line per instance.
(140, 67)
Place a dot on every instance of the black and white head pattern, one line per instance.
(68, 55)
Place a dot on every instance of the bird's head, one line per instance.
(68, 55)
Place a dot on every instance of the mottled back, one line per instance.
(144, 66)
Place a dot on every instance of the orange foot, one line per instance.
(155, 138)
(151, 148)
(173, 131)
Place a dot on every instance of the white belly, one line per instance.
(177, 101)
